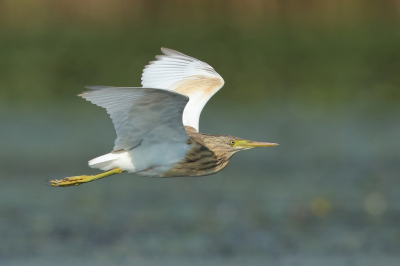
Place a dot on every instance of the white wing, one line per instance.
(178, 72)
(142, 116)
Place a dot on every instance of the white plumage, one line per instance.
(178, 72)
(172, 67)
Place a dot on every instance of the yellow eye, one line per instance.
(232, 142)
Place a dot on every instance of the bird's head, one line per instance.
(230, 145)
(238, 144)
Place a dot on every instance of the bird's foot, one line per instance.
(80, 179)
(70, 181)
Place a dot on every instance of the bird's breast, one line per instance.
(198, 161)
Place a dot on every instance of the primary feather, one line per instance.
(181, 73)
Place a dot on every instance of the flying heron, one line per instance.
(157, 125)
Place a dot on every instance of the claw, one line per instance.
(66, 182)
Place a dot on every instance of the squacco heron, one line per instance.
(157, 125)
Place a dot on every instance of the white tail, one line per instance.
(121, 159)
(104, 161)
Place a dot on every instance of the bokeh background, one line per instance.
(319, 77)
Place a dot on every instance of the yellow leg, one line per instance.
(78, 180)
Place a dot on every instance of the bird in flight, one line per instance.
(157, 124)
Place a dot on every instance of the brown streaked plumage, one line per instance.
(209, 154)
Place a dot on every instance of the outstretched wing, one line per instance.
(142, 116)
(178, 72)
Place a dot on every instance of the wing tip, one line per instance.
(173, 66)
(97, 87)
(170, 52)
(92, 89)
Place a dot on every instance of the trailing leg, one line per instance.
(78, 180)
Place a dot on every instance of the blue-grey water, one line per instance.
(328, 195)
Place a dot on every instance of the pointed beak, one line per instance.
(254, 144)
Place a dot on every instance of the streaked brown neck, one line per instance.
(206, 156)
(213, 143)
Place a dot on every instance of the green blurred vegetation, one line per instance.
(323, 54)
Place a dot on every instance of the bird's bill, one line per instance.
(254, 144)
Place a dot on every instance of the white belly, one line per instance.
(144, 160)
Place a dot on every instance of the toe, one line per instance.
(66, 182)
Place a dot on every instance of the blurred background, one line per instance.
(319, 77)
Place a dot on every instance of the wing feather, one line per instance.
(181, 73)
(141, 116)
